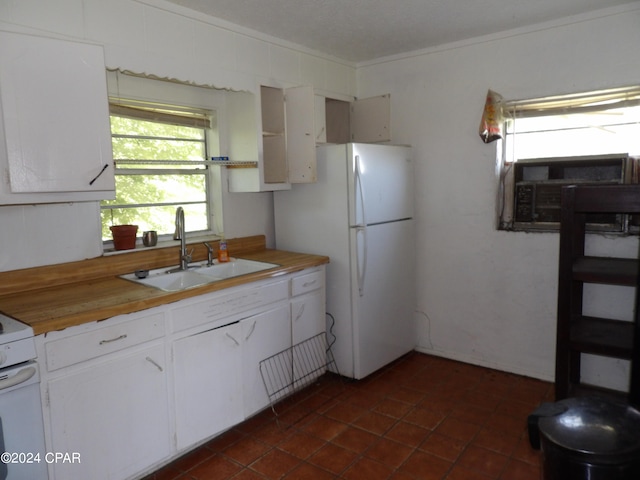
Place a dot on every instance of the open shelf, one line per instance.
(579, 334)
(606, 270)
(601, 336)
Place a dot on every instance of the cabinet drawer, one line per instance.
(225, 306)
(306, 283)
(85, 346)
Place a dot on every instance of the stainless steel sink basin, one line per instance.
(171, 280)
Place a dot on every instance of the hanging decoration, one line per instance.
(492, 119)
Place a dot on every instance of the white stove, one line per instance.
(17, 343)
(12, 329)
(21, 424)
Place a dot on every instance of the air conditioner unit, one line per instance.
(538, 184)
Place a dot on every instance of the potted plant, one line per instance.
(124, 236)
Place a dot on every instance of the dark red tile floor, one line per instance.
(422, 417)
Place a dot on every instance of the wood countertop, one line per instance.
(82, 292)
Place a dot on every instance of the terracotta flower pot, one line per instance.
(124, 236)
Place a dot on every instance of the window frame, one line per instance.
(127, 89)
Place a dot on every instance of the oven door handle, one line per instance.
(20, 377)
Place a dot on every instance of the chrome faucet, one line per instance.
(185, 257)
(209, 254)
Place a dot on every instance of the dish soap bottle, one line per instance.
(223, 253)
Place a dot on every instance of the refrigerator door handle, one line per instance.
(361, 228)
(361, 261)
(359, 194)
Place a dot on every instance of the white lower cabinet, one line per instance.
(263, 336)
(208, 383)
(309, 355)
(308, 321)
(307, 316)
(115, 415)
(129, 394)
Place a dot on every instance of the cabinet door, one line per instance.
(208, 387)
(307, 316)
(307, 321)
(56, 117)
(257, 133)
(265, 335)
(301, 142)
(115, 415)
(320, 119)
(364, 120)
(371, 119)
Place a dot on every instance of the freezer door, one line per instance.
(383, 294)
(380, 182)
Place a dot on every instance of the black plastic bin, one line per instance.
(587, 438)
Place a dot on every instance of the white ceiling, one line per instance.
(360, 30)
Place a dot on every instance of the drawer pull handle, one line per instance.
(153, 362)
(308, 284)
(231, 337)
(121, 337)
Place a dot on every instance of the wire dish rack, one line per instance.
(296, 367)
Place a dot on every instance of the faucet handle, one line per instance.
(209, 254)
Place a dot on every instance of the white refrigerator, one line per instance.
(360, 214)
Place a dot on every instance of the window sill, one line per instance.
(108, 250)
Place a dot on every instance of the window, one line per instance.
(160, 158)
(551, 142)
(163, 134)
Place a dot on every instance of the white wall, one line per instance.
(488, 296)
(164, 40)
(484, 296)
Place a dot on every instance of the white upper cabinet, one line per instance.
(366, 120)
(301, 141)
(370, 119)
(274, 138)
(55, 137)
(285, 144)
(290, 122)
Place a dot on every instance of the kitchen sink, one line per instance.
(170, 279)
(234, 268)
